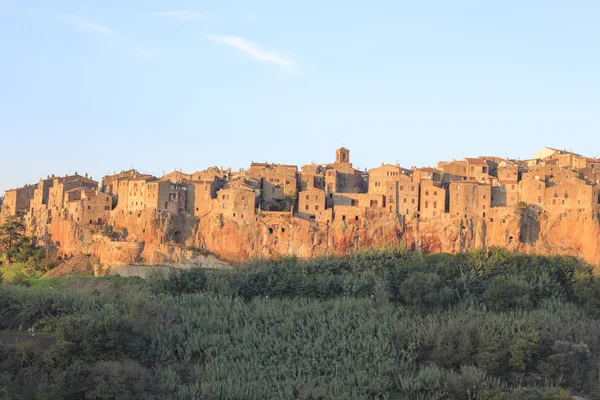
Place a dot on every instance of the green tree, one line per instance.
(12, 233)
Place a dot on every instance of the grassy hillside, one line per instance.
(386, 324)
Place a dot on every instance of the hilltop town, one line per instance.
(554, 183)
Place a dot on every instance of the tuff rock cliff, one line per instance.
(182, 240)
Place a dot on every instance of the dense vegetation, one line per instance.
(378, 324)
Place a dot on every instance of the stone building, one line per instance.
(88, 207)
(403, 197)
(570, 196)
(312, 176)
(453, 171)
(427, 174)
(341, 177)
(432, 200)
(367, 200)
(278, 191)
(177, 177)
(167, 196)
(203, 193)
(532, 188)
(236, 202)
(109, 182)
(469, 198)
(132, 193)
(211, 174)
(310, 202)
(18, 201)
(60, 186)
(477, 169)
(380, 176)
(593, 163)
(278, 184)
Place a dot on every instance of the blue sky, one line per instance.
(101, 86)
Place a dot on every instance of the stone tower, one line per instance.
(342, 155)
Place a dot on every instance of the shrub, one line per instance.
(503, 294)
(425, 291)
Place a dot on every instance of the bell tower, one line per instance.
(342, 156)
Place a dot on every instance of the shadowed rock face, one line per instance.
(166, 239)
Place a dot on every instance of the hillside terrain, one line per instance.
(388, 324)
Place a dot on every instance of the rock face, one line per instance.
(182, 240)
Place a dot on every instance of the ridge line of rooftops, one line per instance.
(554, 181)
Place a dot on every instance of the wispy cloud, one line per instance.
(75, 20)
(190, 16)
(82, 23)
(253, 50)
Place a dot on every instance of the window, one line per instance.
(405, 199)
(316, 208)
(356, 217)
(426, 204)
(306, 207)
(306, 197)
(89, 207)
(426, 193)
(434, 206)
(401, 187)
(413, 201)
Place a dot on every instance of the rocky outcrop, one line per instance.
(182, 240)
